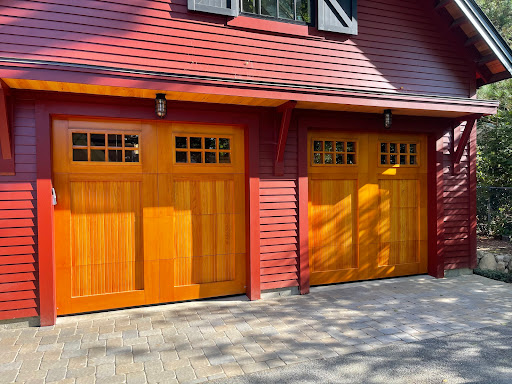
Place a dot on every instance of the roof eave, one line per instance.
(490, 35)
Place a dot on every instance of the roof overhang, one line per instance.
(99, 81)
(491, 53)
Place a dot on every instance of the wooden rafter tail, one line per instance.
(458, 22)
(442, 4)
(286, 114)
(5, 131)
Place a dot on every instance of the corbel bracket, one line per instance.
(5, 129)
(286, 114)
(457, 152)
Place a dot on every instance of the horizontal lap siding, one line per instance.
(278, 214)
(398, 47)
(456, 210)
(18, 231)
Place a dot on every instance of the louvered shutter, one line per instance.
(338, 16)
(221, 7)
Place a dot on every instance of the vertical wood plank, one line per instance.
(472, 149)
(303, 199)
(252, 145)
(435, 206)
(46, 254)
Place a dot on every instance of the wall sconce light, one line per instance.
(388, 118)
(160, 105)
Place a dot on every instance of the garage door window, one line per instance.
(105, 147)
(399, 154)
(202, 149)
(334, 152)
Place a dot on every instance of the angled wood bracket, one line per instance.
(5, 129)
(463, 141)
(286, 114)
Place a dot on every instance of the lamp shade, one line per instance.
(160, 105)
(388, 118)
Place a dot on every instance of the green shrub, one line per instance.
(501, 222)
(495, 275)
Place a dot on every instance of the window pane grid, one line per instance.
(334, 152)
(399, 154)
(105, 147)
(202, 149)
(296, 10)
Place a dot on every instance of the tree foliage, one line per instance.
(494, 157)
(500, 13)
(495, 132)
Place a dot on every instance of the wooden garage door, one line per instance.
(367, 206)
(147, 213)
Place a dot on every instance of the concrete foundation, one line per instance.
(279, 292)
(458, 272)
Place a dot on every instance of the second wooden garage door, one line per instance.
(147, 213)
(367, 206)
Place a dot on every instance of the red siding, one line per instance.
(456, 208)
(278, 213)
(18, 230)
(399, 46)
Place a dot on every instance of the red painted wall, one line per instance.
(457, 205)
(279, 216)
(399, 46)
(18, 226)
(278, 209)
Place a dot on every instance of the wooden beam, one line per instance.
(286, 114)
(457, 154)
(474, 116)
(499, 76)
(303, 191)
(45, 224)
(5, 129)
(472, 200)
(458, 22)
(435, 206)
(473, 40)
(252, 140)
(486, 59)
(442, 4)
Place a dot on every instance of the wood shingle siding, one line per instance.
(18, 226)
(398, 47)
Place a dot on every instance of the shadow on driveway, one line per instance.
(484, 356)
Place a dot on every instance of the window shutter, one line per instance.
(221, 7)
(338, 16)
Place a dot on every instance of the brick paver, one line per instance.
(213, 339)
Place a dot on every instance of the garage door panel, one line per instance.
(372, 225)
(106, 237)
(399, 222)
(210, 289)
(141, 230)
(333, 224)
(104, 278)
(400, 252)
(204, 269)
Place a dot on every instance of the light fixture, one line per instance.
(160, 105)
(388, 118)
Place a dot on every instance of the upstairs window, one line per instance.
(296, 10)
(330, 15)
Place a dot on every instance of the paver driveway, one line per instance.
(200, 341)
